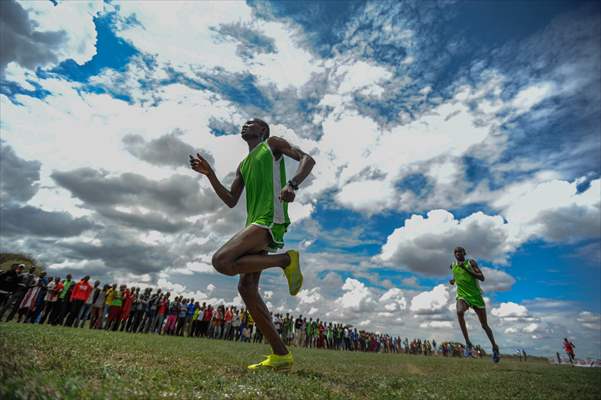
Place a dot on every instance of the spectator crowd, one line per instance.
(38, 299)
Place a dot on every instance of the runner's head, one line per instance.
(255, 129)
(459, 253)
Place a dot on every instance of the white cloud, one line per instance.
(590, 320)
(431, 302)
(210, 288)
(76, 19)
(530, 96)
(356, 297)
(553, 210)
(425, 244)
(309, 296)
(394, 297)
(530, 328)
(510, 309)
(360, 75)
(496, 280)
(436, 324)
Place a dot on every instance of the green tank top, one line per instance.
(264, 177)
(468, 287)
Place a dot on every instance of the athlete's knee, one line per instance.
(222, 263)
(247, 288)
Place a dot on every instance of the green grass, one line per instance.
(45, 362)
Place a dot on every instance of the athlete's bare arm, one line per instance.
(476, 272)
(280, 146)
(229, 197)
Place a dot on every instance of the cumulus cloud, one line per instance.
(553, 210)
(510, 310)
(179, 195)
(434, 301)
(496, 280)
(425, 244)
(22, 43)
(167, 150)
(41, 34)
(356, 296)
(309, 296)
(590, 320)
(18, 177)
(393, 299)
(27, 220)
(436, 324)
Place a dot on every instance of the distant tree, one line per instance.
(8, 259)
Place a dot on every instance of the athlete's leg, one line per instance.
(481, 313)
(249, 290)
(241, 253)
(462, 307)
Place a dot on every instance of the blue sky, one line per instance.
(434, 124)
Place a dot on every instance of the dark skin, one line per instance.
(462, 306)
(245, 254)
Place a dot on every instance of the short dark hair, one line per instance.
(264, 125)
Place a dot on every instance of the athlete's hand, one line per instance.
(200, 165)
(452, 281)
(287, 194)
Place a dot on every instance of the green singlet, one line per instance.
(468, 288)
(264, 177)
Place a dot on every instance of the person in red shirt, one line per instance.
(56, 310)
(227, 319)
(569, 349)
(161, 313)
(79, 295)
(128, 299)
(206, 320)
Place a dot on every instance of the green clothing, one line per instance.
(67, 285)
(117, 299)
(468, 288)
(264, 177)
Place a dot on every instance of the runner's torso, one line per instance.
(264, 177)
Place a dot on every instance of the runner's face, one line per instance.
(251, 130)
(459, 254)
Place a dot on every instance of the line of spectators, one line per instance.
(56, 301)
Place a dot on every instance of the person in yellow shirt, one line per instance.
(108, 300)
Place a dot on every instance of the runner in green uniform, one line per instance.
(466, 275)
(263, 174)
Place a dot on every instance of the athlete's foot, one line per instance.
(274, 362)
(293, 273)
(496, 356)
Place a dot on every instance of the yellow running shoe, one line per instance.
(275, 362)
(293, 273)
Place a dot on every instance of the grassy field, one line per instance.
(39, 362)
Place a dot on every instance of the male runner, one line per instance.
(466, 275)
(263, 174)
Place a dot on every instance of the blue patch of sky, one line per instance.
(111, 52)
(220, 127)
(416, 183)
(553, 271)
(322, 21)
(238, 88)
(12, 90)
